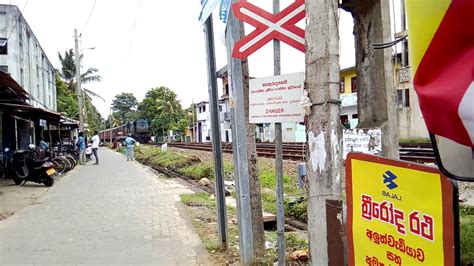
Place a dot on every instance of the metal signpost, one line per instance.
(268, 101)
(216, 136)
(239, 145)
(386, 224)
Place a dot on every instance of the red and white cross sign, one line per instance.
(280, 26)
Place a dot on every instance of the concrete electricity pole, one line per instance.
(78, 82)
(376, 103)
(324, 163)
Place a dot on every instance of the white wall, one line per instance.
(27, 63)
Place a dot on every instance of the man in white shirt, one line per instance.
(95, 146)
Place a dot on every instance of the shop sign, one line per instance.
(398, 213)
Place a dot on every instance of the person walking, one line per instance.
(130, 143)
(95, 146)
(81, 144)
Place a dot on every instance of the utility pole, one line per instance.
(324, 163)
(376, 102)
(78, 83)
(216, 136)
(235, 68)
(279, 156)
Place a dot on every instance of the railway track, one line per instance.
(420, 153)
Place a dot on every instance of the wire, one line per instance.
(88, 18)
(133, 31)
(16, 23)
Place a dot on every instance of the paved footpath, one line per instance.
(113, 213)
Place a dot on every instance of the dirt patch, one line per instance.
(13, 198)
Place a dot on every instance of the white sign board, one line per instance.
(276, 99)
(367, 141)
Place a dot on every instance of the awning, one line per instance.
(24, 109)
(10, 90)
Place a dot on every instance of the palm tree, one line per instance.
(68, 73)
(170, 108)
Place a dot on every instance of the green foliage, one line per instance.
(198, 199)
(163, 110)
(66, 91)
(415, 140)
(297, 209)
(66, 100)
(198, 171)
(466, 228)
(122, 106)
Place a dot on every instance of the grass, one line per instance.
(203, 211)
(415, 140)
(466, 226)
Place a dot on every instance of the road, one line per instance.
(117, 212)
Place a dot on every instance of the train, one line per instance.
(139, 129)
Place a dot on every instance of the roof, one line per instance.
(221, 73)
(30, 110)
(352, 68)
(10, 90)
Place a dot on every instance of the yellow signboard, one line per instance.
(399, 213)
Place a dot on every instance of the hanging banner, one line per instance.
(276, 99)
(398, 213)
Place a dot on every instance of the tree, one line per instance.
(124, 105)
(163, 110)
(68, 73)
(67, 101)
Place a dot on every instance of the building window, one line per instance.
(353, 84)
(220, 108)
(355, 116)
(3, 46)
(4, 68)
(204, 109)
(341, 88)
(403, 98)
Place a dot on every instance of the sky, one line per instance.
(142, 44)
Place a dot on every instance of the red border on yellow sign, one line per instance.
(447, 202)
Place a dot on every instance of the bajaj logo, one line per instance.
(388, 178)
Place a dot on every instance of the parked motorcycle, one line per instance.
(26, 165)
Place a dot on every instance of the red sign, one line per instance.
(280, 26)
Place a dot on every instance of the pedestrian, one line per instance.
(130, 142)
(95, 146)
(81, 144)
(42, 144)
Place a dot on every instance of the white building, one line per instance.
(203, 122)
(23, 58)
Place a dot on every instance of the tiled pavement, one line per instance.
(114, 213)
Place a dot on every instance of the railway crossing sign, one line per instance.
(268, 26)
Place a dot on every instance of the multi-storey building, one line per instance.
(27, 84)
(23, 58)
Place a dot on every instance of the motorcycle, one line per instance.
(30, 165)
